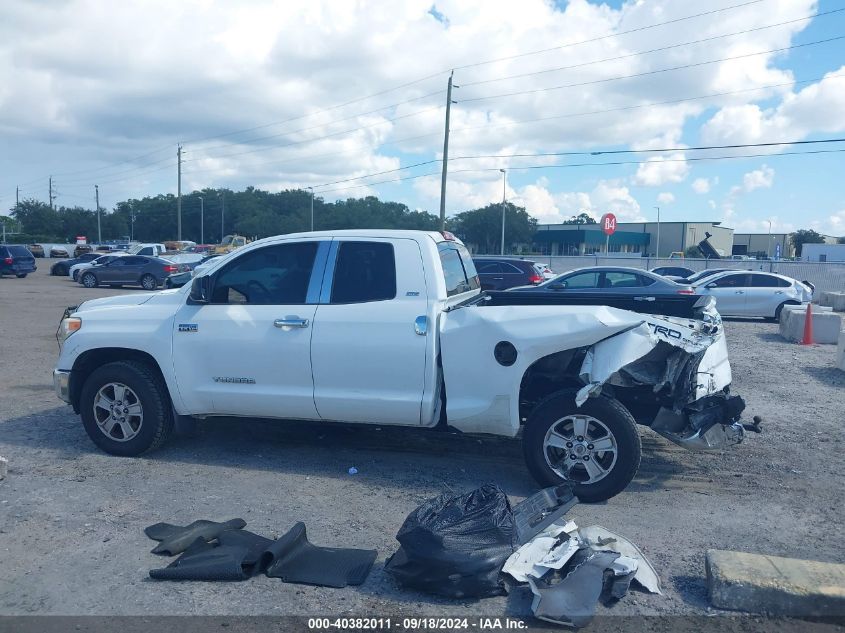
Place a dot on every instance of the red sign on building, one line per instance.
(608, 224)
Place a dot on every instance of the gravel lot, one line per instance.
(71, 517)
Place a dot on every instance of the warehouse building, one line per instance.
(631, 238)
(763, 244)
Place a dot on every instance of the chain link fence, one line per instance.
(823, 275)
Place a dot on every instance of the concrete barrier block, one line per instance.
(826, 326)
(840, 351)
(837, 302)
(774, 585)
(802, 309)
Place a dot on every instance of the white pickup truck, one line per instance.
(390, 327)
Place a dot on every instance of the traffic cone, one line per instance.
(808, 326)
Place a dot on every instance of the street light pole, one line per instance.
(312, 208)
(222, 197)
(657, 251)
(504, 195)
(202, 220)
(97, 198)
(769, 241)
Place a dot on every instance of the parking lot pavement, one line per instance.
(71, 517)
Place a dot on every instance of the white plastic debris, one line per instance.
(602, 539)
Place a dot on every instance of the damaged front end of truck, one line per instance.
(671, 373)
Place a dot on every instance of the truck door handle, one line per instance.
(498, 278)
(292, 322)
(778, 292)
(644, 299)
(740, 292)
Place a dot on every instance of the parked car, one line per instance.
(674, 271)
(81, 249)
(390, 327)
(755, 294)
(62, 268)
(36, 249)
(153, 250)
(177, 280)
(58, 251)
(620, 287)
(501, 273)
(702, 274)
(129, 270)
(199, 248)
(15, 259)
(77, 268)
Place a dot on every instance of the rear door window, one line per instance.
(582, 280)
(731, 281)
(766, 281)
(614, 279)
(365, 271)
(486, 268)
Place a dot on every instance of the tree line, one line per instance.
(256, 213)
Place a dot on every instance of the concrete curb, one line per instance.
(774, 585)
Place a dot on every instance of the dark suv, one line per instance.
(129, 270)
(501, 273)
(16, 260)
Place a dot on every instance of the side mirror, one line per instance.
(711, 286)
(200, 289)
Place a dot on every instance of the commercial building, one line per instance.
(823, 253)
(762, 244)
(631, 238)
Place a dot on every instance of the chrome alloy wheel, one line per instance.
(118, 412)
(580, 448)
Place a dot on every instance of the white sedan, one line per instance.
(756, 294)
(75, 270)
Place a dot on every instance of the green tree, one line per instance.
(581, 218)
(482, 228)
(805, 236)
(694, 252)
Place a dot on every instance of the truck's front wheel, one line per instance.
(595, 446)
(125, 408)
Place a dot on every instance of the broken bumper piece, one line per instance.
(708, 424)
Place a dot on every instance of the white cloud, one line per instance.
(701, 185)
(711, 204)
(758, 179)
(665, 197)
(820, 107)
(836, 222)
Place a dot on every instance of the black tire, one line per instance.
(618, 422)
(76, 275)
(157, 422)
(779, 309)
(20, 275)
(149, 282)
(89, 280)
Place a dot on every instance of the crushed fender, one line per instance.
(237, 554)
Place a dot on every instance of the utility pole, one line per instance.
(202, 216)
(131, 223)
(449, 103)
(657, 251)
(97, 198)
(179, 192)
(17, 199)
(51, 192)
(769, 241)
(312, 208)
(504, 195)
(222, 196)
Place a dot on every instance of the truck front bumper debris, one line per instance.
(61, 383)
(704, 425)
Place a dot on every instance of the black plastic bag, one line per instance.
(455, 545)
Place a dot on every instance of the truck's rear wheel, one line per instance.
(125, 408)
(595, 446)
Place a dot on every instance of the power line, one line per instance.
(633, 162)
(320, 138)
(609, 35)
(653, 50)
(653, 72)
(594, 153)
(645, 105)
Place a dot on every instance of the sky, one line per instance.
(348, 97)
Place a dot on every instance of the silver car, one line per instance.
(755, 294)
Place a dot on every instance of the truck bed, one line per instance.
(674, 305)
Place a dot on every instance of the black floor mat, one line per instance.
(237, 557)
(175, 539)
(293, 559)
(239, 554)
